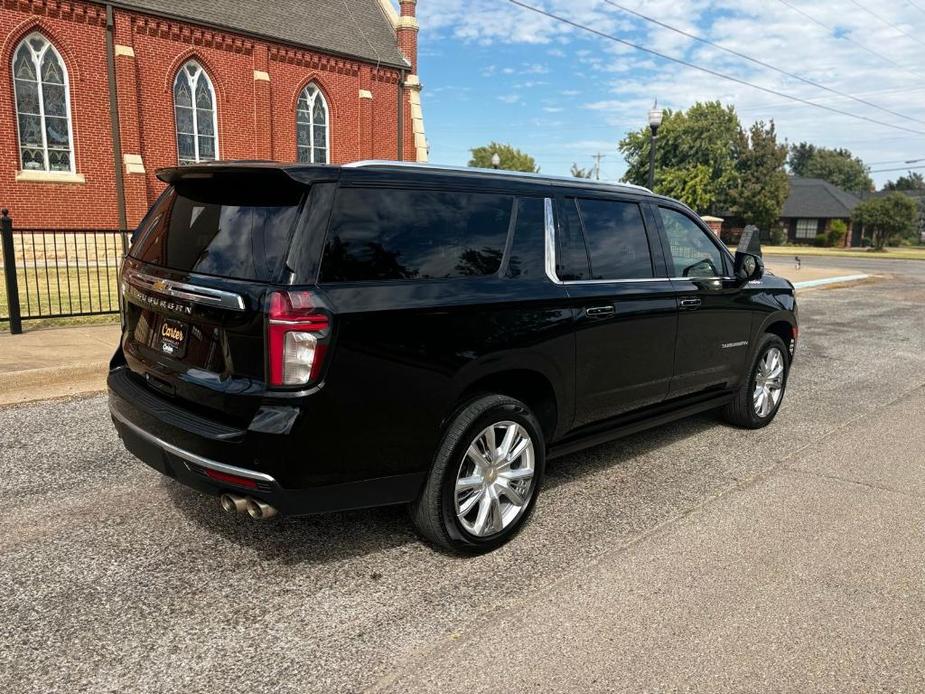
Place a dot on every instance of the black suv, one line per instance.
(301, 339)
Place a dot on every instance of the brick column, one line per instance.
(366, 113)
(263, 121)
(137, 196)
(407, 31)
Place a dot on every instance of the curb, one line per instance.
(808, 284)
(39, 384)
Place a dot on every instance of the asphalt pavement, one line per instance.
(692, 557)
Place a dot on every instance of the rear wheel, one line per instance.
(757, 401)
(485, 477)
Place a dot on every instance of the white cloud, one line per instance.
(621, 83)
(509, 98)
(553, 109)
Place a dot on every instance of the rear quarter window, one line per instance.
(229, 226)
(387, 234)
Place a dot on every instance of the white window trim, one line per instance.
(815, 229)
(311, 131)
(37, 62)
(193, 82)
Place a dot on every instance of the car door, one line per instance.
(714, 317)
(625, 308)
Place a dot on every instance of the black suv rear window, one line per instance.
(230, 226)
(384, 234)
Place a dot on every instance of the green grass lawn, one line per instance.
(75, 290)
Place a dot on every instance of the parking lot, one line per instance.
(694, 556)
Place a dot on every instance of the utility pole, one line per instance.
(597, 165)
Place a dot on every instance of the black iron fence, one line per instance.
(59, 273)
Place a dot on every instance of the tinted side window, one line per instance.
(571, 252)
(528, 250)
(693, 254)
(616, 239)
(384, 234)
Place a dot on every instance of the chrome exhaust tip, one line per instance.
(258, 510)
(232, 503)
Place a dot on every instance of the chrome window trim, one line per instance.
(192, 457)
(549, 226)
(190, 292)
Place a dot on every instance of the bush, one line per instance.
(821, 240)
(778, 236)
(836, 233)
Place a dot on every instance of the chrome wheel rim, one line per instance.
(769, 382)
(494, 483)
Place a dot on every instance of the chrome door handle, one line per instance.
(690, 302)
(599, 311)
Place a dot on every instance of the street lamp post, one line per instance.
(655, 120)
(495, 161)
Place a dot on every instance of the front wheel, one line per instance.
(758, 400)
(485, 478)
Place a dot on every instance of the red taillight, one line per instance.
(296, 338)
(231, 479)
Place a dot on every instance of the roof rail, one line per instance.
(386, 164)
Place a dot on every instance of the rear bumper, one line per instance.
(151, 434)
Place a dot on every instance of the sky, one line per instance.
(494, 71)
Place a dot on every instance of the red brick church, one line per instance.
(95, 97)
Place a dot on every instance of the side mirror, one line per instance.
(748, 263)
(748, 267)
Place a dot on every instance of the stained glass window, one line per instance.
(42, 107)
(196, 115)
(312, 126)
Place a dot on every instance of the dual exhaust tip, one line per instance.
(256, 509)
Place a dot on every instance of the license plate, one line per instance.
(173, 338)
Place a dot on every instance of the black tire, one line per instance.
(741, 411)
(434, 512)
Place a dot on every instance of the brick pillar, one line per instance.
(407, 31)
(137, 195)
(715, 224)
(263, 121)
(366, 113)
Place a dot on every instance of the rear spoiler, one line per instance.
(302, 173)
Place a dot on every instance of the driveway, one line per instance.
(695, 556)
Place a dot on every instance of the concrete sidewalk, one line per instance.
(55, 362)
(807, 578)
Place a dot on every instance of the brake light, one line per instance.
(297, 332)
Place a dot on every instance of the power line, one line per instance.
(896, 161)
(887, 22)
(829, 30)
(709, 71)
(909, 2)
(902, 168)
(762, 63)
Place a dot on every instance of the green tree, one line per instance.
(762, 185)
(579, 172)
(911, 181)
(694, 157)
(799, 157)
(512, 159)
(837, 166)
(889, 218)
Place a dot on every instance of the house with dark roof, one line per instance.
(812, 206)
(96, 96)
